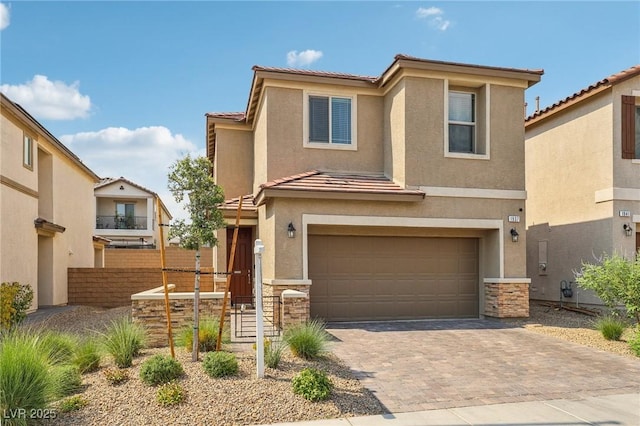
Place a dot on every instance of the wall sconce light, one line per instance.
(291, 231)
(627, 229)
(514, 235)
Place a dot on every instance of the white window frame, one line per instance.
(27, 151)
(353, 146)
(486, 118)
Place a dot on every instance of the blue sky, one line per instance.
(126, 84)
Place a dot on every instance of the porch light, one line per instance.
(627, 229)
(514, 235)
(291, 231)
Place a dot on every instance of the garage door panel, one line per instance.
(364, 278)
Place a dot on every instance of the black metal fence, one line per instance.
(121, 222)
(245, 316)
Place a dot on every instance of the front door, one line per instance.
(241, 285)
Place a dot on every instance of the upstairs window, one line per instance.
(462, 122)
(329, 121)
(466, 121)
(27, 152)
(630, 128)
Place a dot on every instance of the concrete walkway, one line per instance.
(618, 410)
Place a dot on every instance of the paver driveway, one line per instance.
(423, 365)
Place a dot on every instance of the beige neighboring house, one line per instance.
(127, 214)
(583, 183)
(397, 196)
(47, 210)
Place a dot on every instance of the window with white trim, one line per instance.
(330, 121)
(466, 121)
(27, 152)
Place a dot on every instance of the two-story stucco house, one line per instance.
(127, 214)
(390, 197)
(583, 183)
(47, 211)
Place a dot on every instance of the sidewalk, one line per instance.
(618, 410)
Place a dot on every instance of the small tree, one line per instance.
(615, 280)
(192, 177)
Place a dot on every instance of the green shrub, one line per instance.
(220, 364)
(61, 346)
(170, 394)
(74, 403)
(615, 280)
(273, 353)
(15, 300)
(634, 342)
(160, 369)
(116, 376)
(67, 380)
(611, 327)
(312, 384)
(207, 335)
(307, 340)
(87, 356)
(123, 340)
(25, 381)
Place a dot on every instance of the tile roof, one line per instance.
(577, 96)
(109, 180)
(314, 73)
(461, 64)
(235, 116)
(346, 182)
(232, 203)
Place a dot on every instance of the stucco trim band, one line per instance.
(617, 194)
(502, 194)
(507, 280)
(18, 186)
(271, 281)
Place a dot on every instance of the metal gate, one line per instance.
(245, 316)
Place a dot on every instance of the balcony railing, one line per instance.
(121, 222)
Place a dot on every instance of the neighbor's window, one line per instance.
(462, 122)
(637, 125)
(330, 120)
(27, 152)
(125, 218)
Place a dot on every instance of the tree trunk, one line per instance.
(196, 310)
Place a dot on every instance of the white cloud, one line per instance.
(304, 58)
(52, 100)
(433, 15)
(4, 16)
(142, 155)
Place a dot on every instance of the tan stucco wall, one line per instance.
(233, 170)
(67, 201)
(287, 155)
(260, 156)
(288, 260)
(570, 158)
(394, 134)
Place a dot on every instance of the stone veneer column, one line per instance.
(506, 297)
(295, 308)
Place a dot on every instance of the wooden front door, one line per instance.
(241, 283)
(637, 241)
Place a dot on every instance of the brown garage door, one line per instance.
(371, 278)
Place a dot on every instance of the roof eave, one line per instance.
(264, 194)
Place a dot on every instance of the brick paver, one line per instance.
(424, 365)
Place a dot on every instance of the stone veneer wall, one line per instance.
(147, 308)
(503, 299)
(294, 302)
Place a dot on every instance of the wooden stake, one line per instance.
(229, 272)
(167, 308)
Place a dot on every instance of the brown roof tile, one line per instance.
(339, 182)
(313, 73)
(236, 116)
(232, 203)
(605, 82)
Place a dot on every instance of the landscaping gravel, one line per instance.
(246, 400)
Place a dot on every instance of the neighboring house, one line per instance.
(127, 214)
(47, 210)
(391, 197)
(583, 183)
